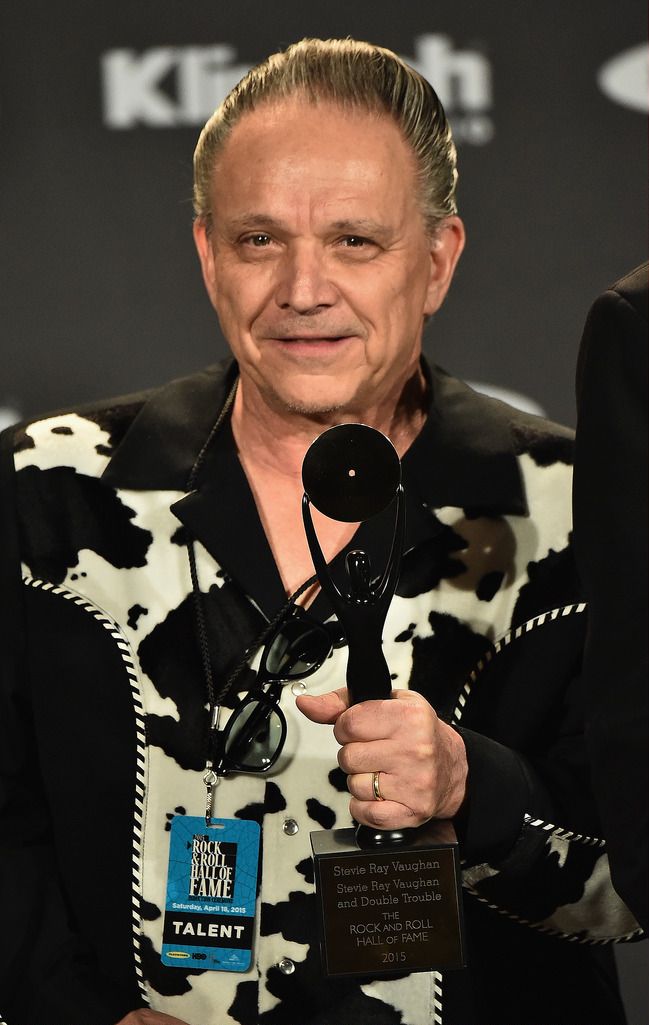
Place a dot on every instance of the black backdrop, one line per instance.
(100, 107)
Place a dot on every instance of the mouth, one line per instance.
(313, 339)
(312, 345)
(316, 352)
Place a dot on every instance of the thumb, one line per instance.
(324, 708)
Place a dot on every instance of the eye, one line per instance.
(358, 248)
(258, 240)
(355, 241)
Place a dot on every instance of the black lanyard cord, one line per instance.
(203, 642)
(216, 699)
(197, 597)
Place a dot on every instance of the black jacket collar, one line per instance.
(161, 445)
(463, 457)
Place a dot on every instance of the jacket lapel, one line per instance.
(462, 458)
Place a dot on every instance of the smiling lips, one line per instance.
(311, 347)
(310, 339)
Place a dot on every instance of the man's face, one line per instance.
(318, 262)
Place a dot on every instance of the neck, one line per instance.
(272, 444)
(277, 439)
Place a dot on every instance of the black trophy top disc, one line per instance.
(351, 472)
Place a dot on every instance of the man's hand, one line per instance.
(147, 1017)
(422, 761)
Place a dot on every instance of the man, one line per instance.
(610, 512)
(161, 533)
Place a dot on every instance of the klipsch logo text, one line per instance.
(463, 81)
(167, 86)
(172, 86)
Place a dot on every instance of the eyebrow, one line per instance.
(361, 225)
(257, 219)
(251, 220)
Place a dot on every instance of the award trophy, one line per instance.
(388, 900)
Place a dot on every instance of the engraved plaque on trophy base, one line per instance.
(389, 910)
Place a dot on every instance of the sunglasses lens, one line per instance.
(256, 731)
(298, 649)
(255, 737)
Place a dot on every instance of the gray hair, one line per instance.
(352, 74)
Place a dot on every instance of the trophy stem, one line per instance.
(389, 899)
(368, 837)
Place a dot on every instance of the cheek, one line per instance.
(398, 333)
(240, 299)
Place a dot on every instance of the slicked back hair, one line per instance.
(357, 76)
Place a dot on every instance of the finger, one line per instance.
(384, 814)
(363, 722)
(324, 708)
(364, 758)
(392, 790)
(361, 786)
(376, 720)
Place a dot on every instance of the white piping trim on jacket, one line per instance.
(535, 823)
(141, 764)
(601, 941)
(437, 994)
(503, 642)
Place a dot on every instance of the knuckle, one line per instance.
(343, 759)
(350, 718)
(377, 816)
(339, 730)
(424, 751)
(354, 757)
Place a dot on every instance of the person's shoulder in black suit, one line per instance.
(610, 509)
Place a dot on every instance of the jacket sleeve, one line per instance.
(610, 516)
(46, 975)
(530, 833)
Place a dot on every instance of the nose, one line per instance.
(303, 285)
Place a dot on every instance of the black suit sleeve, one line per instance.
(610, 515)
(47, 974)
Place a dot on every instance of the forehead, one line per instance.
(321, 150)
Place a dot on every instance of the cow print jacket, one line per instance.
(103, 719)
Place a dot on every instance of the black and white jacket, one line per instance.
(103, 709)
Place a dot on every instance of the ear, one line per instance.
(445, 251)
(206, 256)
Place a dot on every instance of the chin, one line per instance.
(313, 405)
(310, 404)
(313, 409)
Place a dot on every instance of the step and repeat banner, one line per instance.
(100, 108)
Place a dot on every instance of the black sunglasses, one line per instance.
(254, 736)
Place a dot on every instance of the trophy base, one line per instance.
(387, 911)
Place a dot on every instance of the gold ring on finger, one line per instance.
(378, 796)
